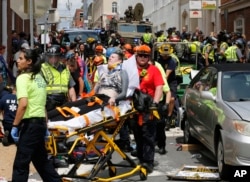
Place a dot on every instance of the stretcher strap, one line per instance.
(96, 100)
(71, 111)
(87, 95)
(116, 111)
(61, 111)
(86, 118)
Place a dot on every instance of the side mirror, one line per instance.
(207, 95)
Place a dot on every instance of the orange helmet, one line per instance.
(135, 49)
(128, 47)
(99, 48)
(98, 60)
(144, 49)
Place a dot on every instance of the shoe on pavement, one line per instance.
(162, 151)
(5, 140)
(133, 153)
(149, 167)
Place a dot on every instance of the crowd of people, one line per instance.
(64, 73)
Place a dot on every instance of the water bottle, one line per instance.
(196, 156)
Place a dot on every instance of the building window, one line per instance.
(114, 7)
(239, 25)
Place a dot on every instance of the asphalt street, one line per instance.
(168, 164)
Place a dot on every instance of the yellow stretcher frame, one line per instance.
(104, 157)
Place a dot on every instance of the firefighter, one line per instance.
(145, 129)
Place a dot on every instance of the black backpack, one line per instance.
(142, 101)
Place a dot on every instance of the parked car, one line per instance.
(217, 113)
(71, 34)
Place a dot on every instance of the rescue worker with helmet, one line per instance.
(234, 53)
(60, 84)
(208, 53)
(148, 38)
(169, 64)
(223, 46)
(145, 129)
(194, 49)
(127, 50)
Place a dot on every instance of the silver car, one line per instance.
(217, 113)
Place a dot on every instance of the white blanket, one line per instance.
(93, 117)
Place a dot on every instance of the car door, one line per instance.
(208, 110)
(192, 100)
(197, 109)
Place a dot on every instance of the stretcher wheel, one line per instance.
(143, 174)
(112, 171)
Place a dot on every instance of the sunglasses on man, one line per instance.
(143, 55)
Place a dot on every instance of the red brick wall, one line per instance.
(232, 16)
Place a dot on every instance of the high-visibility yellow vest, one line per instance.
(210, 54)
(147, 37)
(57, 82)
(162, 38)
(230, 53)
(194, 47)
(225, 46)
(178, 66)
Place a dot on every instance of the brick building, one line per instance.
(9, 21)
(235, 15)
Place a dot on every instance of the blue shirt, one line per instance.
(8, 104)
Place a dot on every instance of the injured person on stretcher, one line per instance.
(112, 89)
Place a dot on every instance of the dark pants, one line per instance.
(160, 133)
(31, 148)
(145, 139)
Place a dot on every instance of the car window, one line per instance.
(203, 81)
(236, 86)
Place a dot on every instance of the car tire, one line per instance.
(222, 167)
(187, 135)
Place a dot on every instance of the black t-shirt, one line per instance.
(169, 64)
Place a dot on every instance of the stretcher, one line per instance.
(64, 141)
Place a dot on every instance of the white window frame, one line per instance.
(114, 7)
(239, 25)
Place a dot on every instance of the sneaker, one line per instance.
(5, 140)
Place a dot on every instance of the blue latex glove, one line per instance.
(14, 133)
(47, 134)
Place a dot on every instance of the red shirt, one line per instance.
(151, 80)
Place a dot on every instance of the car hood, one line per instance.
(241, 108)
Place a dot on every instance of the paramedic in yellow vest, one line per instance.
(234, 53)
(148, 38)
(162, 37)
(194, 49)
(223, 46)
(60, 84)
(208, 52)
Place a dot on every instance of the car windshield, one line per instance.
(236, 86)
